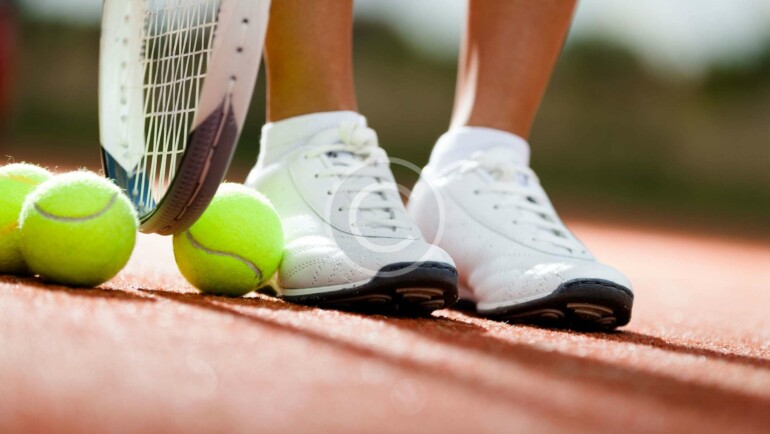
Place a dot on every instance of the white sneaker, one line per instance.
(349, 241)
(516, 259)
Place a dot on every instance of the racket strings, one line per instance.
(177, 45)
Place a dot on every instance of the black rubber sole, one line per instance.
(577, 305)
(402, 289)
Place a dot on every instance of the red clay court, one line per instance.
(145, 353)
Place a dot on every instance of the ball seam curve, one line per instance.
(198, 245)
(58, 218)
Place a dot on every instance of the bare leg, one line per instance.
(314, 139)
(508, 52)
(308, 55)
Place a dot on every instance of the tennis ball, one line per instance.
(234, 247)
(77, 229)
(16, 182)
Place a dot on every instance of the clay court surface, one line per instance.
(145, 353)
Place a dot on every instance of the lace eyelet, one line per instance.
(496, 207)
(476, 192)
(328, 193)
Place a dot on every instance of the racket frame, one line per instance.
(222, 107)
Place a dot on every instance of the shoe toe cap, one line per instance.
(317, 261)
(518, 283)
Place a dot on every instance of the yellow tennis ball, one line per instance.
(77, 229)
(235, 246)
(16, 182)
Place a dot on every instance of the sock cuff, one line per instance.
(461, 142)
(294, 129)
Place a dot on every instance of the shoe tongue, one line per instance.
(502, 164)
(505, 154)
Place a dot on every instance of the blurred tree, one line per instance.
(7, 54)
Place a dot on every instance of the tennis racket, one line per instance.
(175, 82)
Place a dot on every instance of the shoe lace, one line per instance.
(515, 184)
(362, 168)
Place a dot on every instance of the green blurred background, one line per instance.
(625, 131)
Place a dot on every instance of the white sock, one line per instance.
(281, 137)
(460, 143)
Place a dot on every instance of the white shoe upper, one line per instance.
(341, 210)
(492, 216)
